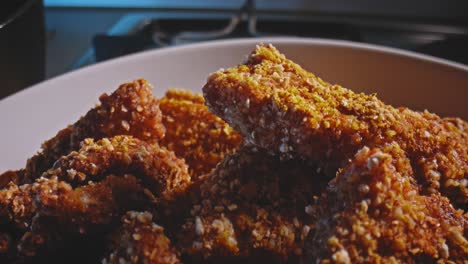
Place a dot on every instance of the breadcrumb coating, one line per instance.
(251, 204)
(11, 176)
(160, 170)
(139, 240)
(194, 133)
(130, 110)
(279, 106)
(374, 213)
(165, 175)
(17, 204)
(16, 211)
(64, 214)
(326, 175)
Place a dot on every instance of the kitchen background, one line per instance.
(82, 32)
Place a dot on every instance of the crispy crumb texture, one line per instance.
(161, 171)
(194, 133)
(64, 214)
(287, 168)
(251, 204)
(277, 105)
(130, 110)
(139, 240)
(374, 213)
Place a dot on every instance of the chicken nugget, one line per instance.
(130, 110)
(194, 133)
(17, 209)
(252, 205)
(161, 171)
(277, 105)
(16, 212)
(64, 215)
(139, 240)
(165, 176)
(372, 212)
(17, 204)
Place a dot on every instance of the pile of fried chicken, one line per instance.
(271, 165)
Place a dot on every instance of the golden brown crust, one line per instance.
(139, 240)
(194, 133)
(64, 213)
(11, 176)
(277, 105)
(16, 204)
(130, 110)
(388, 204)
(374, 213)
(16, 211)
(253, 203)
(160, 170)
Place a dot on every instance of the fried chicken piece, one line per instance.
(252, 205)
(11, 176)
(372, 212)
(160, 170)
(279, 106)
(139, 240)
(194, 133)
(64, 214)
(16, 204)
(16, 211)
(130, 110)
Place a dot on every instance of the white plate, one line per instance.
(401, 78)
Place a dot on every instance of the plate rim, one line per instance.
(280, 40)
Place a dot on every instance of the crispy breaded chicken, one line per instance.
(20, 207)
(326, 175)
(253, 204)
(164, 175)
(16, 212)
(130, 110)
(194, 133)
(16, 204)
(139, 240)
(64, 214)
(159, 169)
(277, 105)
(374, 213)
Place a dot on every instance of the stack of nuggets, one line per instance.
(396, 200)
(286, 168)
(116, 158)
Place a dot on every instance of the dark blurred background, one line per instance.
(81, 32)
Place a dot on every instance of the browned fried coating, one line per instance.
(17, 204)
(252, 204)
(194, 133)
(374, 213)
(139, 240)
(16, 211)
(64, 213)
(130, 110)
(11, 176)
(160, 170)
(277, 105)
